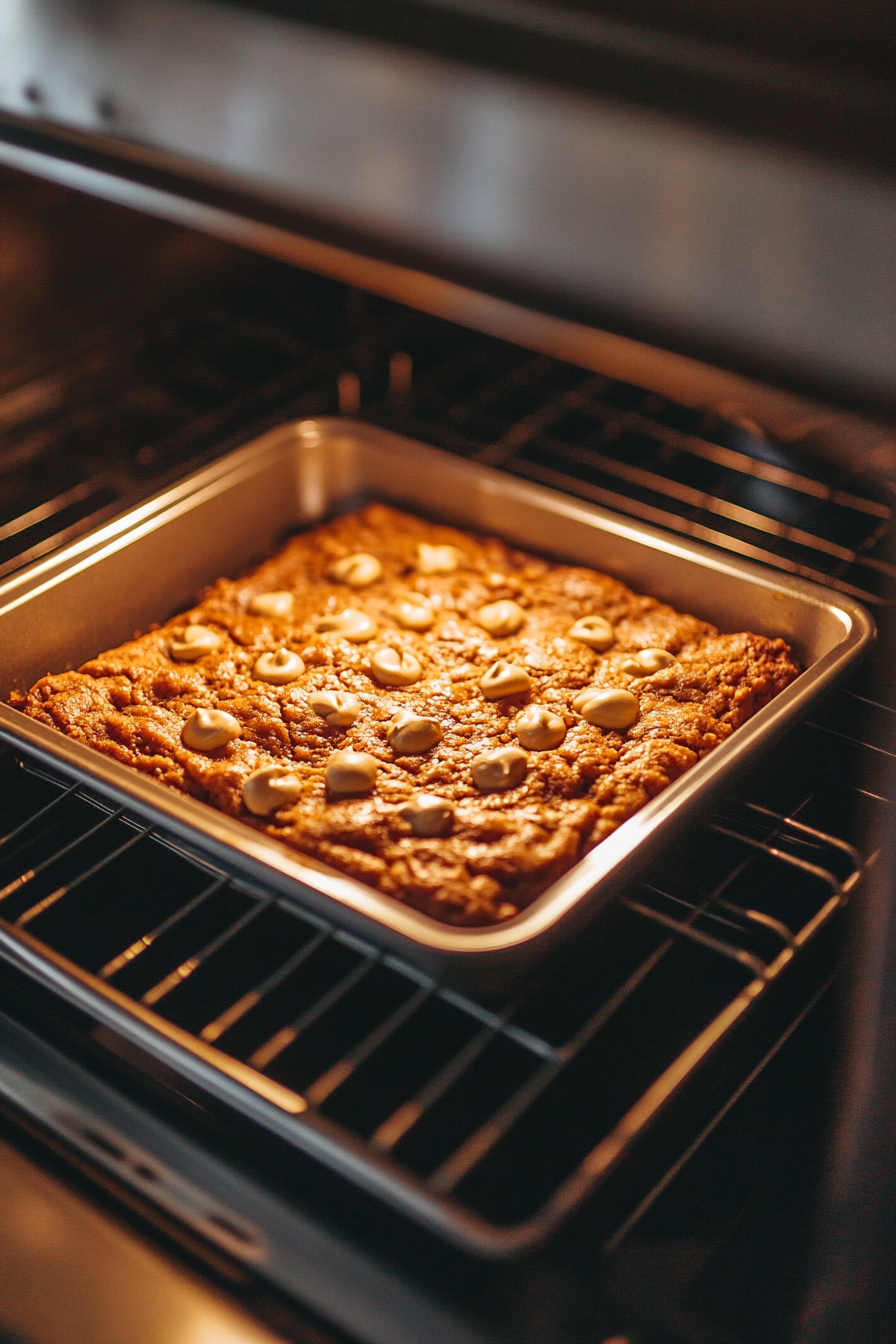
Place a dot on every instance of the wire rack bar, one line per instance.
(78, 881)
(461, 1162)
(140, 945)
(186, 968)
(265, 1055)
(40, 815)
(342, 1070)
(29, 876)
(232, 1015)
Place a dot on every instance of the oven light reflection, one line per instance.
(212, 1328)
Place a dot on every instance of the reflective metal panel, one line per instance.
(744, 245)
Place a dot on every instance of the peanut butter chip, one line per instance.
(538, 729)
(278, 668)
(414, 612)
(350, 624)
(351, 771)
(270, 788)
(409, 735)
(503, 768)
(594, 631)
(607, 708)
(648, 661)
(501, 619)
(438, 559)
(193, 642)
(271, 604)
(207, 729)
(394, 668)
(356, 570)
(336, 708)
(504, 678)
(428, 814)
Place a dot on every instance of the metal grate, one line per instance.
(489, 1121)
(687, 470)
(80, 441)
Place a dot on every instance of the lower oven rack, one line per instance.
(490, 1124)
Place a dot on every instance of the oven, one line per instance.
(674, 1129)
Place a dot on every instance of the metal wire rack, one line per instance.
(81, 440)
(489, 1122)
(690, 471)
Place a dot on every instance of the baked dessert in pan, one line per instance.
(450, 720)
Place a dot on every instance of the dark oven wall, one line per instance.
(133, 351)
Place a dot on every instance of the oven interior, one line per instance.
(455, 1191)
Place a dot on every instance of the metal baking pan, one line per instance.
(149, 564)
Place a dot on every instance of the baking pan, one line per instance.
(150, 564)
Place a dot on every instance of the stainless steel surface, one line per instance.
(69, 1273)
(280, 1240)
(714, 239)
(150, 565)
(839, 435)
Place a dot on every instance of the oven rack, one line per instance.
(126, 414)
(85, 436)
(490, 1123)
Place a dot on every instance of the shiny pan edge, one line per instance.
(305, 470)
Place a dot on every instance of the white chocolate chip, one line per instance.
(270, 788)
(409, 735)
(428, 814)
(538, 729)
(350, 624)
(338, 709)
(504, 678)
(207, 729)
(356, 570)
(503, 768)
(193, 642)
(414, 612)
(278, 668)
(648, 661)
(438, 559)
(392, 667)
(501, 618)
(351, 771)
(594, 631)
(607, 708)
(271, 604)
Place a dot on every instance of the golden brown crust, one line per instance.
(504, 848)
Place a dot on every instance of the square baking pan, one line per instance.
(149, 564)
